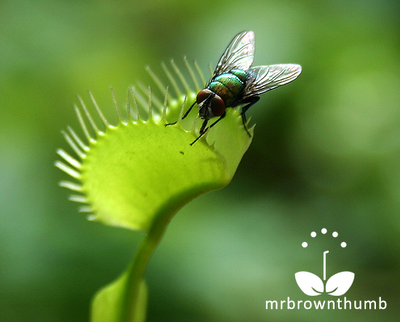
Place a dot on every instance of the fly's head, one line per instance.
(210, 104)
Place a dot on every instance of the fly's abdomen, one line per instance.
(229, 86)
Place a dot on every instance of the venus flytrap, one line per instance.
(138, 173)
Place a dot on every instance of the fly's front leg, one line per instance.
(250, 101)
(186, 114)
(204, 129)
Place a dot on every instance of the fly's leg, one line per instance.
(186, 114)
(250, 101)
(204, 129)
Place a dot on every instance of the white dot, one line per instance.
(304, 244)
(335, 234)
(324, 231)
(313, 234)
(343, 244)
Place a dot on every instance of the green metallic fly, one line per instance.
(235, 82)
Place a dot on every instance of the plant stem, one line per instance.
(137, 268)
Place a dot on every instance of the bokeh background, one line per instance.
(325, 154)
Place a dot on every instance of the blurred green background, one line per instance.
(326, 153)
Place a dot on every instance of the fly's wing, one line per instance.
(265, 78)
(239, 54)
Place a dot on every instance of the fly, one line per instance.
(235, 82)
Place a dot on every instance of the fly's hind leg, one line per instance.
(250, 101)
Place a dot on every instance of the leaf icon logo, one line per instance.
(309, 283)
(339, 283)
(336, 285)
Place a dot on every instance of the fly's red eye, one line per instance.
(202, 95)
(217, 106)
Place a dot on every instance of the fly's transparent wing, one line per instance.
(239, 54)
(265, 78)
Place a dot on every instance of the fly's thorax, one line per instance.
(229, 86)
(241, 74)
